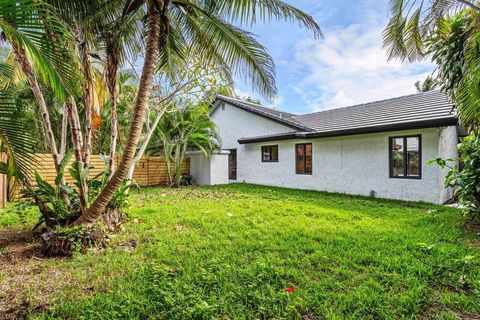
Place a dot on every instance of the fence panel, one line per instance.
(150, 171)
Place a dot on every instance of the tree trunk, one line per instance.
(155, 20)
(143, 147)
(77, 140)
(88, 98)
(112, 68)
(37, 92)
(63, 138)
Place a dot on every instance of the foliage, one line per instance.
(15, 139)
(106, 33)
(127, 91)
(466, 180)
(47, 43)
(66, 241)
(187, 128)
(64, 213)
(231, 251)
(448, 32)
(428, 84)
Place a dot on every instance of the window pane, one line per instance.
(265, 154)
(269, 153)
(308, 162)
(274, 156)
(397, 157)
(300, 159)
(413, 157)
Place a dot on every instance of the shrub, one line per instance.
(466, 181)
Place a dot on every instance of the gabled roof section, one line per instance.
(426, 107)
(285, 118)
(416, 111)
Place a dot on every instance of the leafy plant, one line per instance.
(466, 181)
(189, 127)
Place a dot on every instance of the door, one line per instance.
(232, 164)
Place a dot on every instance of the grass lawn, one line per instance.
(229, 252)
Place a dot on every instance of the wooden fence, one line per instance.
(149, 171)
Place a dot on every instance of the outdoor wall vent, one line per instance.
(223, 106)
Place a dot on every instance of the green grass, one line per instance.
(229, 252)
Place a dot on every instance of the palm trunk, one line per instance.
(88, 92)
(77, 140)
(112, 67)
(155, 19)
(37, 92)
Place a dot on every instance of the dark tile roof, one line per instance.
(421, 110)
(427, 106)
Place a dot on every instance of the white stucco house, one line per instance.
(378, 149)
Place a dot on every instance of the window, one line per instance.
(232, 164)
(303, 156)
(269, 153)
(406, 157)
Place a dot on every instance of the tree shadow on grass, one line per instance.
(21, 267)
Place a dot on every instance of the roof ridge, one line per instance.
(255, 104)
(371, 102)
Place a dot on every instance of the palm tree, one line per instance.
(409, 34)
(185, 128)
(204, 22)
(41, 45)
(120, 38)
(428, 84)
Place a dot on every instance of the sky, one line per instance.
(347, 67)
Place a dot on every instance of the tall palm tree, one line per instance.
(41, 44)
(204, 22)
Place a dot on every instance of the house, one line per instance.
(378, 149)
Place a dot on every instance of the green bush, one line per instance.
(466, 181)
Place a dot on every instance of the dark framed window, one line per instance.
(406, 157)
(303, 158)
(232, 164)
(269, 153)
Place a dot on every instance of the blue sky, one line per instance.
(346, 67)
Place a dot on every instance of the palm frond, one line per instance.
(249, 11)
(239, 49)
(17, 137)
(46, 41)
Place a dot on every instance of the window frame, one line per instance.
(269, 146)
(304, 158)
(405, 157)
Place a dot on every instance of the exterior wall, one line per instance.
(447, 149)
(351, 164)
(234, 123)
(211, 170)
(357, 164)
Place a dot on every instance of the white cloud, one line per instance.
(350, 67)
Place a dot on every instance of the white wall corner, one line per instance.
(447, 149)
(210, 170)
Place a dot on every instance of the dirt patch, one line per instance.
(22, 267)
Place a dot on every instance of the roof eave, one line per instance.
(433, 123)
